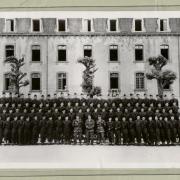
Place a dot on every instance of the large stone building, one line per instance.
(120, 46)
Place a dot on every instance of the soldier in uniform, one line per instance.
(117, 130)
(27, 131)
(89, 124)
(59, 129)
(100, 130)
(35, 130)
(67, 128)
(43, 129)
(157, 126)
(14, 125)
(167, 127)
(173, 123)
(138, 129)
(178, 128)
(7, 130)
(144, 127)
(132, 131)
(110, 129)
(1, 129)
(151, 130)
(77, 125)
(50, 129)
(125, 126)
(20, 129)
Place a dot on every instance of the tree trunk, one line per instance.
(160, 88)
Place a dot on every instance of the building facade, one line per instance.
(120, 47)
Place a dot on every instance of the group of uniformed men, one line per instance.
(127, 120)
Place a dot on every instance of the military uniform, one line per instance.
(100, 130)
(90, 124)
(77, 125)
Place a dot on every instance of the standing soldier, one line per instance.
(67, 128)
(178, 128)
(50, 129)
(43, 129)
(27, 130)
(100, 130)
(132, 131)
(173, 130)
(1, 129)
(7, 130)
(125, 125)
(157, 127)
(151, 130)
(35, 130)
(162, 130)
(59, 129)
(77, 125)
(110, 129)
(117, 130)
(89, 124)
(14, 131)
(20, 130)
(138, 129)
(144, 127)
(167, 127)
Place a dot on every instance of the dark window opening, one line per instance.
(163, 25)
(9, 51)
(113, 53)
(61, 55)
(36, 25)
(62, 25)
(12, 25)
(165, 52)
(36, 55)
(139, 53)
(35, 82)
(112, 25)
(114, 81)
(7, 83)
(89, 25)
(87, 51)
(138, 25)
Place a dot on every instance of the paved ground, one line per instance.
(70, 156)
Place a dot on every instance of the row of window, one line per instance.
(62, 52)
(62, 82)
(138, 25)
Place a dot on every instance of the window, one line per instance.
(140, 81)
(163, 24)
(36, 57)
(61, 25)
(62, 81)
(112, 24)
(87, 51)
(36, 25)
(165, 51)
(9, 51)
(114, 81)
(10, 25)
(113, 52)
(35, 82)
(139, 53)
(138, 25)
(89, 25)
(7, 83)
(61, 53)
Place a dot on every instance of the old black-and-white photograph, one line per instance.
(91, 85)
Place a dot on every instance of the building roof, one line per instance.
(89, 5)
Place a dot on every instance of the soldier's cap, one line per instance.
(157, 95)
(145, 94)
(29, 94)
(124, 95)
(35, 95)
(75, 93)
(131, 94)
(150, 95)
(82, 94)
(42, 95)
(172, 94)
(165, 95)
(48, 95)
(10, 93)
(3, 93)
(55, 94)
(137, 94)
